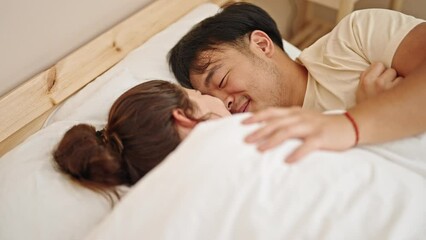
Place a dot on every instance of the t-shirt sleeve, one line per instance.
(377, 33)
(336, 60)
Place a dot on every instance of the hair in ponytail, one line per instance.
(139, 134)
(90, 161)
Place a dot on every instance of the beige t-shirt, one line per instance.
(336, 61)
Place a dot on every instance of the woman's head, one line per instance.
(144, 125)
(207, 105)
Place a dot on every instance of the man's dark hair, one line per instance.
(226, 27)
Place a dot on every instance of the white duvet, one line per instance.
(214, 186)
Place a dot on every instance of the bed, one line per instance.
(199, 191)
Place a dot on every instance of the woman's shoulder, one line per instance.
(226, 125)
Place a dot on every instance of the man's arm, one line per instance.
(394, 114)
(375, 80)
(411, 53)
(400, 111)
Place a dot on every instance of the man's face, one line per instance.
(207, 104)
(244, 81)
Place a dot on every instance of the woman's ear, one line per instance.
(261, 40)
(184, 125)
(182, 120)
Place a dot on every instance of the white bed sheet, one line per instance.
(36, 200)
(214, 186)
(147, 62)
(211, 192)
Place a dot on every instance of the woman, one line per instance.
(145, 124)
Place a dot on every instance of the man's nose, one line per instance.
(229, 102)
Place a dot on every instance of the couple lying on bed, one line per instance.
(238, 57)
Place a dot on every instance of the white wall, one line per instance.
(415, 8)
(34, 34)
(284, 11)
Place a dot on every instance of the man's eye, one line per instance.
(221, 84)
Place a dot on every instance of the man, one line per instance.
(237, 55)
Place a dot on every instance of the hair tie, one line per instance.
(100, 134)
(117, 142)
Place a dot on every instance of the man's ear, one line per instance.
(261, 40)
(182, 120)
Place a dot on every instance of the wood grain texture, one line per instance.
(23, 110)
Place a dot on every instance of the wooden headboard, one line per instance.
(24, 110)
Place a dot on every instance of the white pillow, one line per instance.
(147, 62)
(94, 101)
(219, 187)
(38, 202)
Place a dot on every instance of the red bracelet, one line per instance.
(351, 119)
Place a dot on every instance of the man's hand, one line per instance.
(316, 130)
(376, 79)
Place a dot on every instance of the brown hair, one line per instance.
(139, 134)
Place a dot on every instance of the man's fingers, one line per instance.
(305, 148)
(278, 137)
(361, 77)
(374, 71)
(369, 79)
(269, 114)
(271, 127)
(375, 80)
(395, 82)
(384, 82)
(264, 115)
